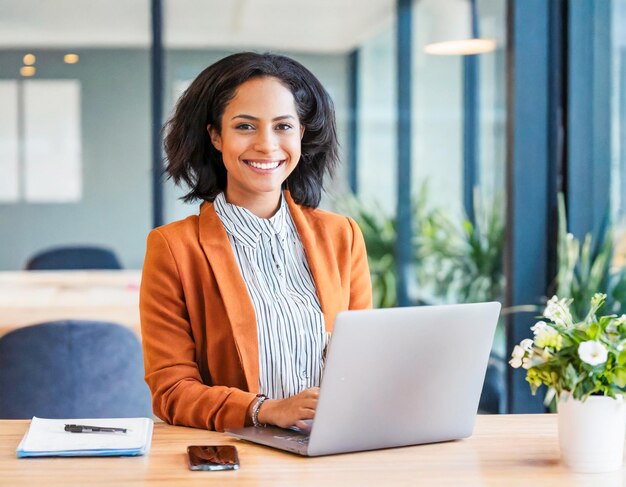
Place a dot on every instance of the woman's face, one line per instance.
(260, 141)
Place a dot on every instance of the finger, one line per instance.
(312, 392)
(309, 404)
(306, 427)
(306, 413)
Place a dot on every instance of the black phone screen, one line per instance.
(218, 457)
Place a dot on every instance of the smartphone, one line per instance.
(216, 457)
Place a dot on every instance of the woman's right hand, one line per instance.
(290, 411)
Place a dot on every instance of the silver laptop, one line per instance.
(395, 377)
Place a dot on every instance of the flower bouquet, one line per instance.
(584, 365)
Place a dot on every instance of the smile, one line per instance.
(264, 165)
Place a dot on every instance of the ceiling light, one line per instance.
(463, 47)
(29, 59)
(453, 28)
(27, 70)
(71, 58)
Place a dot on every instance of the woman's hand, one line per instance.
(291, 411)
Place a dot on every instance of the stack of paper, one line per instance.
(47, 437)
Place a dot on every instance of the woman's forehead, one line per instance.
(265, 94)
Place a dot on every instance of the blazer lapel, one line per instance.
(320, 264)
(233, 291)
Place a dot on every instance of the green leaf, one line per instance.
(620, 376)
(593, 331)
(571, 376)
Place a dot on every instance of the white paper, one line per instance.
(48, 436)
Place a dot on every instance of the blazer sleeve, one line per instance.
(360, 280)
(178, 394)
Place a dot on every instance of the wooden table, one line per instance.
(29, 297)
(506, 450)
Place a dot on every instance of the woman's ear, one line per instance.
(301, 131)
(216, 140)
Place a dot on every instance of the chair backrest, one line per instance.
(72, 369)
(74, 258)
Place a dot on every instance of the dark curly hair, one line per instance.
(191, 156)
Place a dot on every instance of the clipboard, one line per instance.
(48, 438)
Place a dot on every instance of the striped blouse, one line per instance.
(290, 322)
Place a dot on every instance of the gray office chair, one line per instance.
(72, 369)
(73, 258)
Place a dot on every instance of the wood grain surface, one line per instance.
(505, 450)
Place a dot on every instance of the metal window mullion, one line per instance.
(404, 250)
(157, 76)
(353, 125)
(471, 132)
(528, 178)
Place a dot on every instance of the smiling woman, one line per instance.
(241, 84)
(260, 149)
(238, 302)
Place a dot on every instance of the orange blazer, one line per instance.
(198, 323)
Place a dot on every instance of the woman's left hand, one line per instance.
(291, 411)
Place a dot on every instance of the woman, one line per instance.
(238, 301)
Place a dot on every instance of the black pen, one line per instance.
(82, 428)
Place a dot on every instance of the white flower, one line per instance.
(527, 344)
(546, 336)
(558, 311)
(615, 323)
(518, 352)
(516, 356)
(535, 360)
(539, 326)
(592, 352)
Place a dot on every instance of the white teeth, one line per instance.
(264, 165)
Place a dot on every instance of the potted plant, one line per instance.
(583, 364)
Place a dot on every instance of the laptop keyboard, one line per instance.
(299, 439)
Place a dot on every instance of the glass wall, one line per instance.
(459, 158)
(74, 127)
(618, 127)
(377, 152)
(597, 153)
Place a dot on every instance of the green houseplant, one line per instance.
(379, 233)
(585, 269)
(462, 261)
(457, 261)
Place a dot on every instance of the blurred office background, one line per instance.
(453, 155)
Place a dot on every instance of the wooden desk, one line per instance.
(504, 451)
(29, 297)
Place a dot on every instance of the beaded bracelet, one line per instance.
(255, 409)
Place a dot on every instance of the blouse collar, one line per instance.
(245, 226)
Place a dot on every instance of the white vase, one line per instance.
(591, 433)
